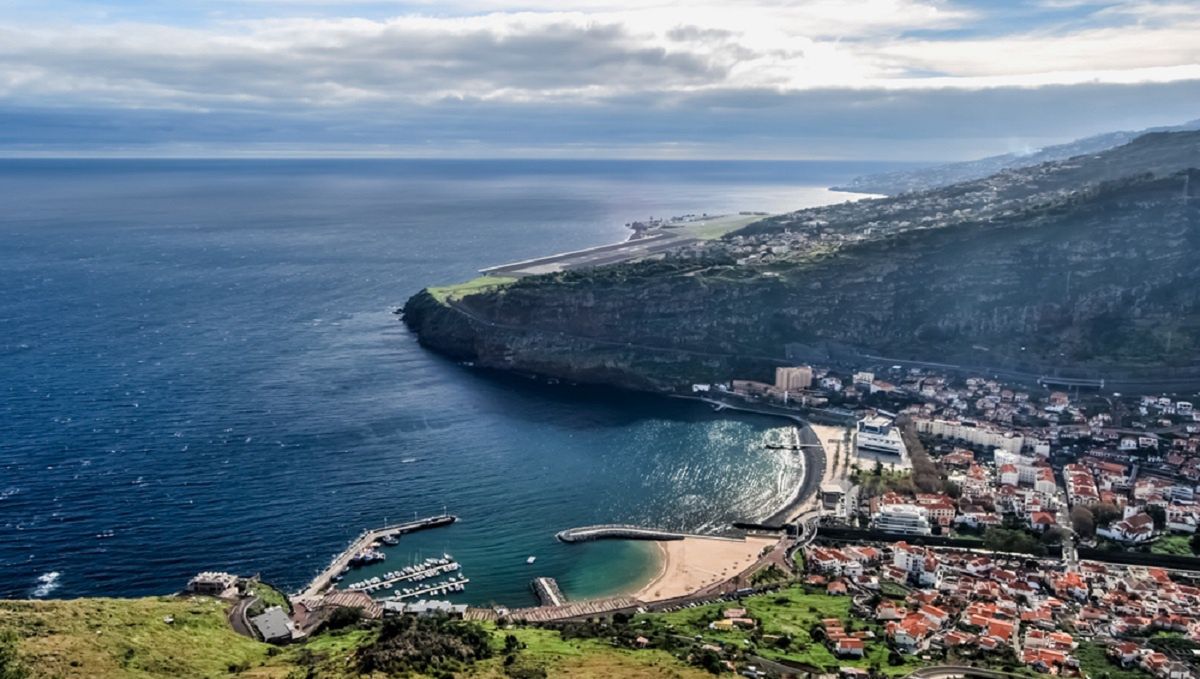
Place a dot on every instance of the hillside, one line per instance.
(131, 639)
(1084, 263)
(893, 183)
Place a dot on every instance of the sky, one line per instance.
(919, 80)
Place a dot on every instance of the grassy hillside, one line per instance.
(129, 638)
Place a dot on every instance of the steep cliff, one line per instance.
(1101, 274)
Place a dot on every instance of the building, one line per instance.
(424, 608)
(972, 432)
(793, 379)
(879, 435)
(899, 518)
(1134, 529)
(831, 495)
(212, 583)
(273, 626)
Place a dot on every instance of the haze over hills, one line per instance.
(900, 181)
(1081, 263)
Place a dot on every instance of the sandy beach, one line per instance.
(838, 456)
(695, 562)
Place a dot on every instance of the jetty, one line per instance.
(547, 591)
(615, 532)
(367, 540)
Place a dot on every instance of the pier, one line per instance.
(439, 588)
(547, 591)
(615, 532)
(325, 579)
(417, 576)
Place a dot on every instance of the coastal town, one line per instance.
(953, 522)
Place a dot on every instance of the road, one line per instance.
(238, 619)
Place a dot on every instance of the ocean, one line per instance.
(200, 369)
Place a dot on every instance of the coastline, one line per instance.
(698, 562)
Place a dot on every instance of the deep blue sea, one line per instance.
(200, 368)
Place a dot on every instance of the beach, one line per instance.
(695, 562)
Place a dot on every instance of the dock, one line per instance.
(341, 562)
(406, 577)
(435, 588)
(547, 591)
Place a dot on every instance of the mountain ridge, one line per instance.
(937, 176)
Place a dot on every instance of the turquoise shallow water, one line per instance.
(200, 369)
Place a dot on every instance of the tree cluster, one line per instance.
(427, 645)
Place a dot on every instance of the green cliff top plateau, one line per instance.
(1081, 264)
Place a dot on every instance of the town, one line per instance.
(1020, 523)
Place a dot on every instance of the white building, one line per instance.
(879, 435)
(912, 519)
(972, 432)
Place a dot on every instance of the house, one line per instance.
(1135, 529)
(1126, 653)
(909, 632)
(1041, 521)
(273, 626)
(936, 616)
(887, 611)
(849, 647)
(1009, 476)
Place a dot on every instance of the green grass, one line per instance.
(587, 658)
(1095, 663)
(449, 293)
(792, 612)
(712, 228)
(1178, 545)
(129, 638)
(268, 596)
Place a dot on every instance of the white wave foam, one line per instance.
(47, 582)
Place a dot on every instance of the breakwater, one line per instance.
(615, 532)
(548, 592)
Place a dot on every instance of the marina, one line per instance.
(368, 541)
(454, 584)
(430, 568)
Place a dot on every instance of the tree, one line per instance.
(878, 471)
(1159, 515)
(1083, 521)
(1105, 513)
(1054, 535)
(343, 616)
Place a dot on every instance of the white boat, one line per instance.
(531, 559)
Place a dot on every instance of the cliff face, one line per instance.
(1104, 276)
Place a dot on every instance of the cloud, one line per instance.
(665, 73)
